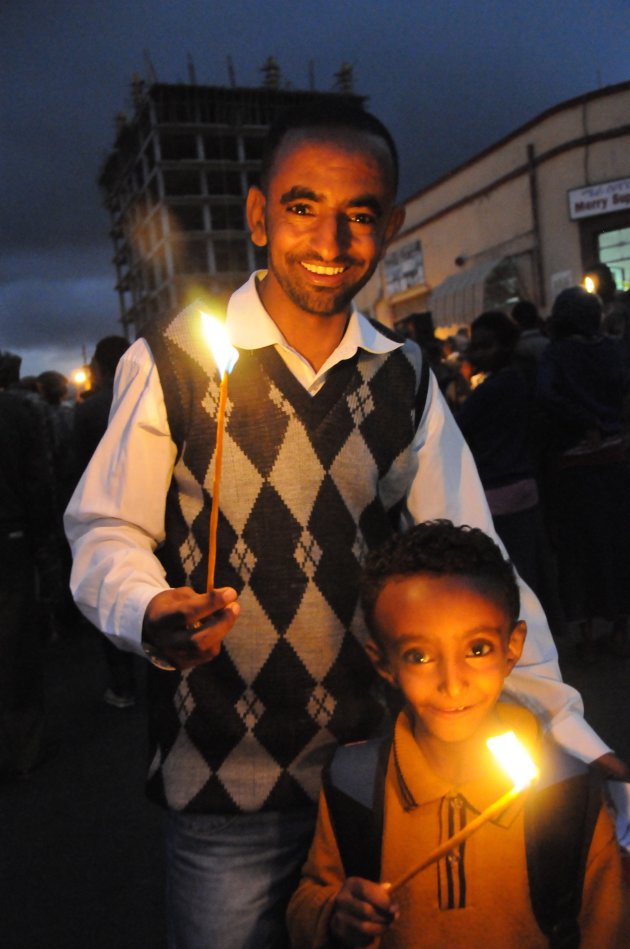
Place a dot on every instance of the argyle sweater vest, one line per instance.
(308, 484)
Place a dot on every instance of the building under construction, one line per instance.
(175, 185)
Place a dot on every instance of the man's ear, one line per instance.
(396, 221)
(515, 644)
(379, 660)
(255, 209)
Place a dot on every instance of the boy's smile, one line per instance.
(448, 647)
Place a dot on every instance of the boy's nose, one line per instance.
(453, 677)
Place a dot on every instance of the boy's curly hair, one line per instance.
(439, 548)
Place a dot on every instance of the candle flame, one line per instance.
(224, 354)
(513, 758)
(589, 285)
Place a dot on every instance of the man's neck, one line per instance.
(312, 335)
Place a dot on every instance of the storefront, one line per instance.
(523, 219)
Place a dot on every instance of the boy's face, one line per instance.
(448, 648)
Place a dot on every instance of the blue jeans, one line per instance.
(230, 877)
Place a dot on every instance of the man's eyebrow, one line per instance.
(367, 201)
(300, 192)
(297, 192)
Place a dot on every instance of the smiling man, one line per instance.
(336, 436)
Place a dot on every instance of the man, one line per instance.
(331, 442)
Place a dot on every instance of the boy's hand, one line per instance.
(187, 628)
(363, 911)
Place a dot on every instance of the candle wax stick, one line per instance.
(459, 838)
(218, 456)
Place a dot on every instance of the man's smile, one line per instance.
(322, 270)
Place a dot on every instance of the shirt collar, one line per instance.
(414, 775)
(250, 326)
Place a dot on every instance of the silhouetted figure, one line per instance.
(27, 524)
(582, 381)
(532, 342)
(495, 420)
(90, 422)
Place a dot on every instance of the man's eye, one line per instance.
(482, 648)
(362, 218)
(415, 657)
(299, 209)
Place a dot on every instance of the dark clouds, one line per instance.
(449, 78)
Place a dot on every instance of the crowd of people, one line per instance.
(355, 548)
(47, 436)
(544, 406)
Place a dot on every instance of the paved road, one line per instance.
(80, 847)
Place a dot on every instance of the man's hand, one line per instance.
(187, 628)
(363, 911)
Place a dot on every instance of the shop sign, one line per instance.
(404, 268)
(599, 199)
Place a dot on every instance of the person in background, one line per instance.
(90, 422)
(27, 529)
(582, 383)
(532, 341)
(495, 421)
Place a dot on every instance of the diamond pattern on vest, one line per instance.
(302, 498)
(250, 644)
(184, 771)
(316, 655)
(264, 771)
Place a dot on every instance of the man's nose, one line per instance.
(331, 235)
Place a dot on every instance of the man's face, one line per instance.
(325, 217)
(448, 648)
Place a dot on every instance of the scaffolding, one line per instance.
(175, 185)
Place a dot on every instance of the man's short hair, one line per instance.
(440, 549)
(336, 114)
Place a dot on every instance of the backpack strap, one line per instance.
(560, 817)
(354, 788)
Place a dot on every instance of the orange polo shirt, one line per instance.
(480, 896)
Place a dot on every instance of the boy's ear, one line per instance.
(515, 644)
(379, 661)
(255, 209)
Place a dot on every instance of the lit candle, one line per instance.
(225, 356)
(514, 760)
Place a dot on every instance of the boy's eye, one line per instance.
(415, 657)
(481, 648)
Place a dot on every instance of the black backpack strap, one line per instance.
(560, 818)
(354, 787)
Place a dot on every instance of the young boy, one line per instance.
(442, 606)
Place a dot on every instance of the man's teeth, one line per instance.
(323, 271)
